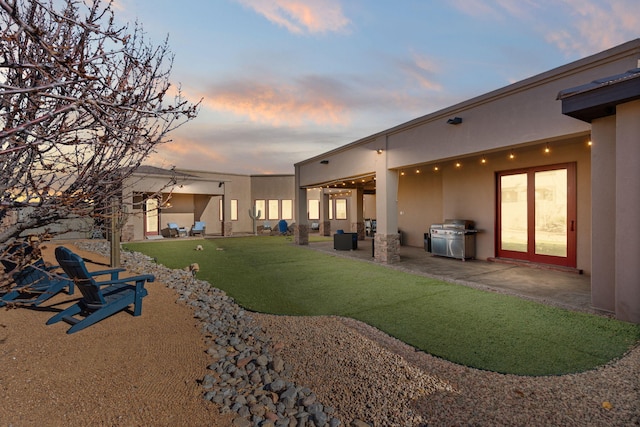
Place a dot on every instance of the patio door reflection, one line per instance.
(536, 214)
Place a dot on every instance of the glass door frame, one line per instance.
(150, 217)
(530, 255)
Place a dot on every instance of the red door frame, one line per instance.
(530, 255)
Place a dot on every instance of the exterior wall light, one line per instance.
(324, 162)
(455, 121)
(379, 151)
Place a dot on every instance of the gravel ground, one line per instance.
(368, 375)
(145, 371)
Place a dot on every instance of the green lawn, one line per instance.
(464, 325)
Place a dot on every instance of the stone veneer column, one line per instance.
(325, 200)
(301, 234)
(228, 229)
(387, 240)
(325, 228)
(357, 212)
(387, 248)
(301, 229)
(358, 227)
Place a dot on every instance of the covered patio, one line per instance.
(554, 287)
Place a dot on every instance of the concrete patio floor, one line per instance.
(558, 288)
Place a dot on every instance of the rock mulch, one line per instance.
(362, 377)
(246, 377)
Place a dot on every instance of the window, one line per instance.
(287, 209)
(341, 209)
(221, 209)
(262, 207)
(234, 210)
(274, 212)
(314, 209)
(330, 208)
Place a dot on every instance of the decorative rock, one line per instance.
(277, 385)
(248, 379)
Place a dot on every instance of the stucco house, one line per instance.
(547, 168)
(156, 197)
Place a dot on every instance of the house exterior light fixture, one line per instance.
(324, 162)
(454, 121)
(379, 151)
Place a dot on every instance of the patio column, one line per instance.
(386, 240)
(301, 228)
(357, 214)
(627, 206)
(325, 224)
(227, 225)
(603, 202)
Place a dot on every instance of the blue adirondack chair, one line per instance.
(99, 299)
(283, 228)
(199, 228)
(35, 283)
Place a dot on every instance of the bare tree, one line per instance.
(82, 103)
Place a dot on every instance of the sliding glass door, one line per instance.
(537, 214)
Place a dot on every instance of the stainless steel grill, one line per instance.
(454, 238)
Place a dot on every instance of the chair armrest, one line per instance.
(140, 280)
(114, 272)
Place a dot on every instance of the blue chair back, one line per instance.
(76, 270)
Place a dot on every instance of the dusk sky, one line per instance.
(285, 80)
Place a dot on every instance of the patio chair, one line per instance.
(175, 230)
(283, 228)
(34, 284)
(267, 226)
(99, 299)
(199, 228)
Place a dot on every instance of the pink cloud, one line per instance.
(423, 70)
(597, 25)
(183, 152)
(586, 27)
(298, 16)
(279, 105)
